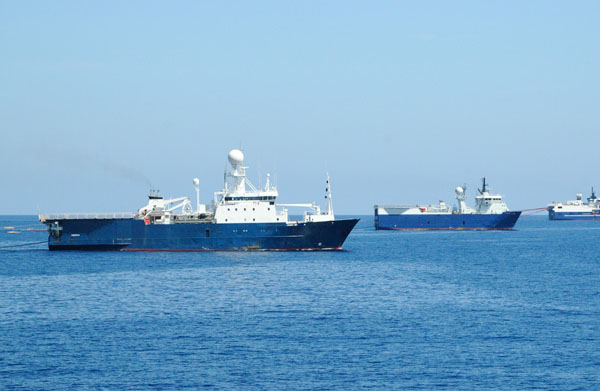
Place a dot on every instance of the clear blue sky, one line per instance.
(401, 102)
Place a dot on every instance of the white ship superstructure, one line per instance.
(239, 202)
(485, 203)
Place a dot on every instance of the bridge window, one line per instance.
(261, 198)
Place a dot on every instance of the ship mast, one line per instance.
(592, 198)
(484, 187)
(329, 197)
(461, 196)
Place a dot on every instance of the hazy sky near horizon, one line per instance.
(399, 101)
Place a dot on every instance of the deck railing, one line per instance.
(75, 216)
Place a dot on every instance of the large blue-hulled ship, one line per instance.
(490, 213)
(576, 209)
(241, 217)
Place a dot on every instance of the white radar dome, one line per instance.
(459, 190)
(236, 157)
(579, 196)
(196, 181)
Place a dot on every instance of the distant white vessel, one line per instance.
(576, 209)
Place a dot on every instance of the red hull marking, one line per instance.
(591, 218)
(221, 249)
(450, 229)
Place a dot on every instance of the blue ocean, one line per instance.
(506, 310)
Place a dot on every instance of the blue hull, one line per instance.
(134, 235)
(506, 220)
(552, 215)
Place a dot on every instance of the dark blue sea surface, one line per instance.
(511, 310)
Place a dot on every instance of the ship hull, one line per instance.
(134, 235)
(553, 215)
(502, 221)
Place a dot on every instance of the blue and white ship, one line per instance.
(241, 217)
(576, 209)
(490, 213)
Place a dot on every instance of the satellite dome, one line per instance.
(579, 196)
(459, 190)
(236, 157)
(196, 181)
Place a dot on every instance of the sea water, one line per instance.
(510, 310)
